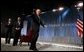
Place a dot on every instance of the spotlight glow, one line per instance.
(54, 10)
(80, 4)
(61, 8)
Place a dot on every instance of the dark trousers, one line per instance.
(8, 36)
(34, 40)
(16, 37)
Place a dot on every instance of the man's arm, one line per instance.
(41, 23)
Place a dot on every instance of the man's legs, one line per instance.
(33, 42)
(9, 37)
(15, 39)
(14, 42)
(6, 40)
(17, 36)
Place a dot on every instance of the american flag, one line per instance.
(79, 25)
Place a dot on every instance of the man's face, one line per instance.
(38, 11)
(18, 18)
(9, 19)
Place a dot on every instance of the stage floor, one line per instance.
(40, 46)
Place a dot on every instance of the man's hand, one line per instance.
(45, 25)
(17, 28)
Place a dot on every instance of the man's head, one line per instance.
(19, 18)
(37, 12)
(9, 19)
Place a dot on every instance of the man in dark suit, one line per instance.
(17, 27)
(36, 22)
(9, 31)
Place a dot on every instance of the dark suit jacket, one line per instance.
(36, 22)
(16, 24)
(9, 27)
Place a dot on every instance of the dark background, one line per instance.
(57, 30)
(28, 5)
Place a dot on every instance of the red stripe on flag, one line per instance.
(80, 21)
(79, 26)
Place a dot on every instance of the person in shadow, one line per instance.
(18, 25)
(35, 25)
(9, 31)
